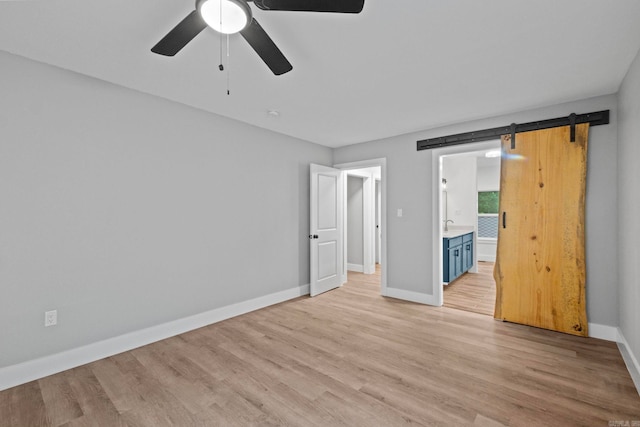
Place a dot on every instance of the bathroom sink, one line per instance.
(457, 232)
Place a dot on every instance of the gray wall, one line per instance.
(355, 212)
(410, 186)
(123, 211)
(629, 207)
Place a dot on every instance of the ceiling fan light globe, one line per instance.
(225, 16)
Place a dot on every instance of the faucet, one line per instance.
(446, 224)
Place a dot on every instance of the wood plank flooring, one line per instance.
(348, 357)
(475, 292)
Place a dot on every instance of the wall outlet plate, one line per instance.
(50, 318)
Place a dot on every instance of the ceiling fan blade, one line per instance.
(182, 34)
(266, 48)
(338, 6)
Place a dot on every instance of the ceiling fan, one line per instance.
(235, 16)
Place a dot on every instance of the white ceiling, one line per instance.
(399, 66)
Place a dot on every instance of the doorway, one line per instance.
(365, 250)
(464, 176)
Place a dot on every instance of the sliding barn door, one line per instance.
(540, 264)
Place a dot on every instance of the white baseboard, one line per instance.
(355, 267)
(603, 332)
(21, 373)
(630, 359)
(410, 296)
(486, 249)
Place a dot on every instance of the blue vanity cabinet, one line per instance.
(467, 252)
(457, 254)
(452, 257)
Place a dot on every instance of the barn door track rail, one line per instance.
(594, 119)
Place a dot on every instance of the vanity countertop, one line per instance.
(455, 232)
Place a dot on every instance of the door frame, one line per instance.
(382, 163)
(378, 219)
(436, 231)
(368, 220)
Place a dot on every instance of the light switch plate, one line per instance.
(50, 318)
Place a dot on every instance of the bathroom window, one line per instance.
(488, 205)
(488, 202)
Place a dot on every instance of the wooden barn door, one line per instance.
(540, 264)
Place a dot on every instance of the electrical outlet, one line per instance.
(50, 318)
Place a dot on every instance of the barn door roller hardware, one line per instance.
(594, 119)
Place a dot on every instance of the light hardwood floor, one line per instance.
(347, 357)
(475, 292)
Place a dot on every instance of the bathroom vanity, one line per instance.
(457, 253)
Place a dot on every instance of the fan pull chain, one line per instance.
(228, 61)
(221, 67)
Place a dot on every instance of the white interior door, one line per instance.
(326, 229)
